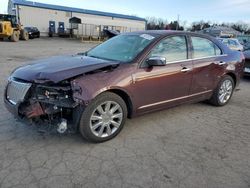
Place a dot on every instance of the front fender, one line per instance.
(87, 87)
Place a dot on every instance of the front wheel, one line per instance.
(223, 92)
(24, 35)
(15, 36)
(103, 118)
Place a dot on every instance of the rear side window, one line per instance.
(204, 48)
(172, 48)
(232, 43)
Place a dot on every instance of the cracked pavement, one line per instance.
(195, 145)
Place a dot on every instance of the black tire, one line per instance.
(215, 97)
(85, 124)
(24, 35)
(15, 36)
(50, 34)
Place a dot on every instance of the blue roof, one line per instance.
(70, 9)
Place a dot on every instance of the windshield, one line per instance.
(28, 28)
(10, 18)
(123, 48)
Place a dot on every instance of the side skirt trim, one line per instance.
(175, 99)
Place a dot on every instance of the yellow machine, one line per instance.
(9, 28)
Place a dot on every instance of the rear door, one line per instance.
(208, 66)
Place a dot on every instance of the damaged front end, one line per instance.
(44, 104)
(45, 91)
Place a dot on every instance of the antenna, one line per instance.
(178, 20)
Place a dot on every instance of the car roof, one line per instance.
(167, 32)
(233, 39)
(229, 39)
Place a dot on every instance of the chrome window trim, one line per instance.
(194, 59)
(175, 99)
(136, 78)
(184, 60)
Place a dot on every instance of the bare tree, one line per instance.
(154, 23)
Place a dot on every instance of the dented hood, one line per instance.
(60, 68)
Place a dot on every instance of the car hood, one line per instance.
(60, 68)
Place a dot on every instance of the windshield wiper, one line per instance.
(101, 58)
(93, 56)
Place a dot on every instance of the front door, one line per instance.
(161, 86)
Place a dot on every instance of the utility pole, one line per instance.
(178, 19)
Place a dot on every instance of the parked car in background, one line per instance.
(107, 33)
(33, 32)
(129, 75)
(232, 43)
(247, 46)
(247, 63)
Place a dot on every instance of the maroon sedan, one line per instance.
(128, 75)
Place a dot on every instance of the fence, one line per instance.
(96, 31)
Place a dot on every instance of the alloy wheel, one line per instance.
(106, 119)
(225, 91)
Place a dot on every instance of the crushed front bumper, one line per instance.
(11, 107)
(42, 112)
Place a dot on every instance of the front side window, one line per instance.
(172, 48)
(123, 48)
(204, 48)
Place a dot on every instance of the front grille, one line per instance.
(16, 91)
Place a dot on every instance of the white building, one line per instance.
(41, 15)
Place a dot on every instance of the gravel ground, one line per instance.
(195, 145)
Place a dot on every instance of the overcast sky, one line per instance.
(189, 10)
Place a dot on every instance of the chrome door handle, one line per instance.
(221, 63)
(186, 69)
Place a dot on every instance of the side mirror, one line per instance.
(156, 61)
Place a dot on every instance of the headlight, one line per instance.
(53, 93)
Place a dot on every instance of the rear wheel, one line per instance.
(103, 118)
(24, 35)
(15, 36)
(223, 92)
